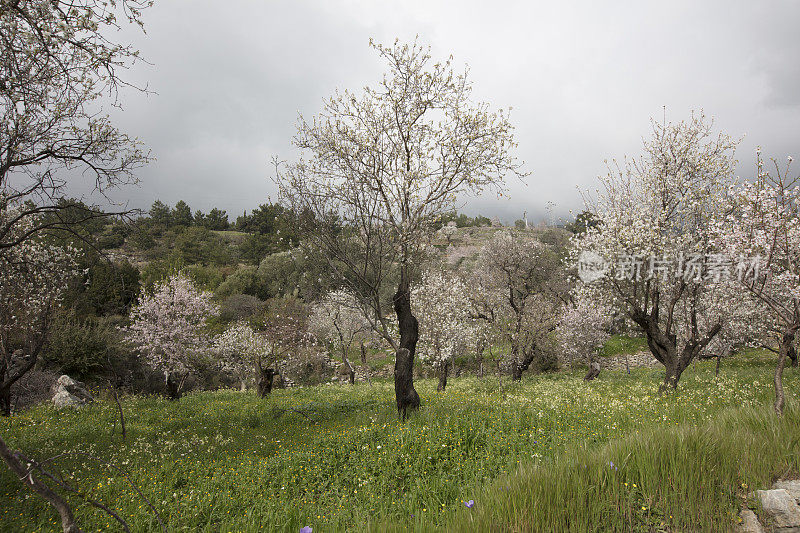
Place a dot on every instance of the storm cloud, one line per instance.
(583, 79)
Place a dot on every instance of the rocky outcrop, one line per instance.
(70, 393)
(780, 510)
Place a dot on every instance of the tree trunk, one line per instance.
(364, 364)
(443, 372)
(594, 371)
(405, 393)
(5, 401)
(672, 373)
(351, 372)
(173, 386)
(480, 368)
(521, 366)
(783, 351)
(265, 380)
(716, 368)
(242, 385)
(16, 465)
(792, 355)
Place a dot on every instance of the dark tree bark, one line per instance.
(13, 368)
(521, 366)
(173, 386)
(783, 351)
(664, 347)
(351, 372)
(265, 380)
(405, 393)
(792, 355)
(12, 459)
(594, 371)
(5, 401)
(443, 373)
(364, 364)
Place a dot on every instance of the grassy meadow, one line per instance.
(551, 453)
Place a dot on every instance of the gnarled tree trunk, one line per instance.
(594, 371)
(351, 372)
(265, 380)
(364, 364)
(792, 355)
(664, 347)
(444, 371)
(173, 386)
(405, 393)
(5, 400)
(521, 366)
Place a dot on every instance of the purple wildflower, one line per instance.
(611, 463)
(306, 529)
(470, 504)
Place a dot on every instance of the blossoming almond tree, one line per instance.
(288, 341)
(528, 285)
(582, 329)
(384, 165)
(337, 318)
(33, 278)
(57, 62)
(167, 328)
(763, 221)
(441, 303)
(661, 207)
(240, 350)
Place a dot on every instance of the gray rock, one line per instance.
(70, 393)
(749, 524)
(780, 510)
(792, 487)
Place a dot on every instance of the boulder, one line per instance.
(780, 510)
(749, 523)
(792, 487)
(70, 393)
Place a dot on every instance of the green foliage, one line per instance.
(199, 245)
(583, 221)
(81, 347)
(462, 220)
(206, 278)
(242, 281)
(182, 214)
(257, 246)
(106, 289)
(240, 306)
(160, 214)
(682, 478)
(534, 456)
(216, 220)
(157, 271)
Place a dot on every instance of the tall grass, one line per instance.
(686, 478)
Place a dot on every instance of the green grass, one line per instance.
(622, 344)
(684, 478)
(336, 458)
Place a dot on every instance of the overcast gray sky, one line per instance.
(583, 79)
